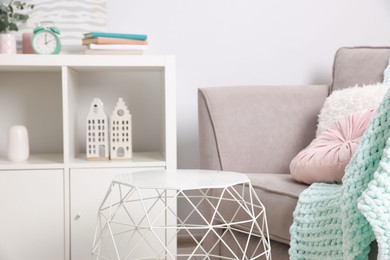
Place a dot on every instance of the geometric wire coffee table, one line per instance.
(138, 216)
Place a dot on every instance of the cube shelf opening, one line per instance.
(32, 99)
(141, 91)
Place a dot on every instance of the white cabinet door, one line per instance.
(31, 215)
(88, 188)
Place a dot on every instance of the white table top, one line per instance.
(181, 179)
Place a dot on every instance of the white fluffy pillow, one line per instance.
(346, 101)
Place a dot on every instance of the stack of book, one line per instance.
(115, 43)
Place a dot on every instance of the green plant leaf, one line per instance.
(13, 27)
(9, 18)
(20, 17)
(3, 18)
(19, 5)
(3, 27)
(4, 9)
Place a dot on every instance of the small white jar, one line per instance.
(18, 145)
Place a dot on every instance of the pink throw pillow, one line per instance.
(324, 160)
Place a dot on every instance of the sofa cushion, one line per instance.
(243, 129)
(359, 65)
(279, 194)
(324, 160)
(342, 103)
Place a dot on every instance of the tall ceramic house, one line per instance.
(120, 134)
(97, 146)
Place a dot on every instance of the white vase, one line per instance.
(7, 43)
(18, 147)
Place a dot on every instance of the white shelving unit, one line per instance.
(51, 95)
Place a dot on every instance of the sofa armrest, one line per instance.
(256, 129)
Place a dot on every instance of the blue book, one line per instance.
(140, 37)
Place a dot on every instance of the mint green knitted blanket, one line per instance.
(334, 221)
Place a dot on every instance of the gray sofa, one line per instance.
(257, 130)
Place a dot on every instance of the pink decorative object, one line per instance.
(324, 160)
(27, 46)
(7, 43)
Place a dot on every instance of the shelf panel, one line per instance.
(32, 62)
(35, 161)
(55, 161)
(138, 160)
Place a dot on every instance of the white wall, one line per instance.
(233, 42)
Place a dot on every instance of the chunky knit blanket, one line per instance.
(334, 221)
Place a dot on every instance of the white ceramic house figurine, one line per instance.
(97, 132)
(120, 134)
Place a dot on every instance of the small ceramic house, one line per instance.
(97, 132)
(120, 134)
